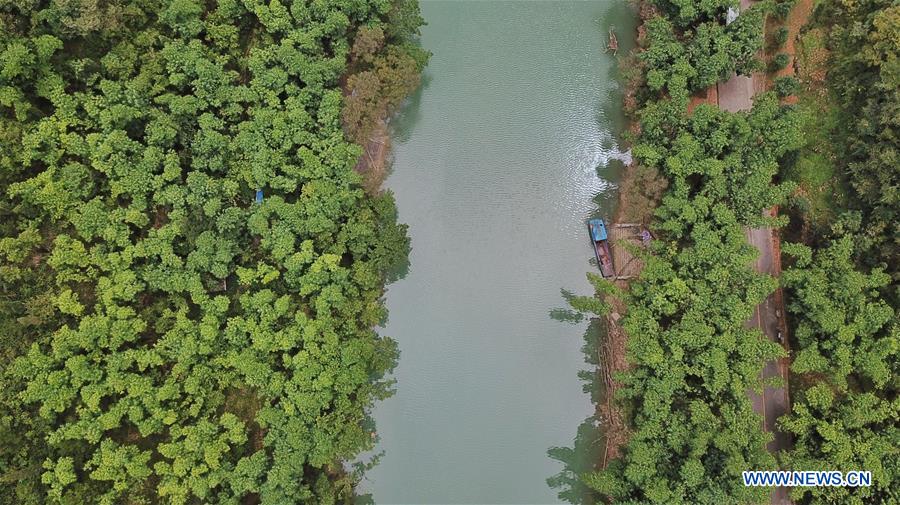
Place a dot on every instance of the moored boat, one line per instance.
(600, 241)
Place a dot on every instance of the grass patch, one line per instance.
(821, 194)
(812, 60)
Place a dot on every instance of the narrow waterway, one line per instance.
(499, 160)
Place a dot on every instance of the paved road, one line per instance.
(773, 402)
(734, 95)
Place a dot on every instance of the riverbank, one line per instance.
(640, 189)
(384, 71)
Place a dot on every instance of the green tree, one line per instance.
(848, 338)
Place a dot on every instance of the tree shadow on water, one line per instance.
(577, 461)
(587, 447)
(399, 268)
(566, 314)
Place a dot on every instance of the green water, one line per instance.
(500, 159)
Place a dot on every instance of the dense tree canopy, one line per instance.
(864, 74)
(848, 339)
(693, 358)
(165, 337)
(694, 47)
(843, 295)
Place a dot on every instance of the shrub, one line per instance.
(786, 86)
(779, 62)
(781, 36)
(783, 9)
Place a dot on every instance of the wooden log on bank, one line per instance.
(613, 44)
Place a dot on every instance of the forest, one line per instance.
(842, 285)
(191, 269)
(692, 429)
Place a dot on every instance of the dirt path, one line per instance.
(372, 165)
(710, 96)
(612, 355)
(795, 22)
(612, 361)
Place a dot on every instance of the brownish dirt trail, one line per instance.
(611, 355)
(795, 22)
(373, 163)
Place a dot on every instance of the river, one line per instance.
(499, 160)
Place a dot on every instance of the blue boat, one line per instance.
(600, 241)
